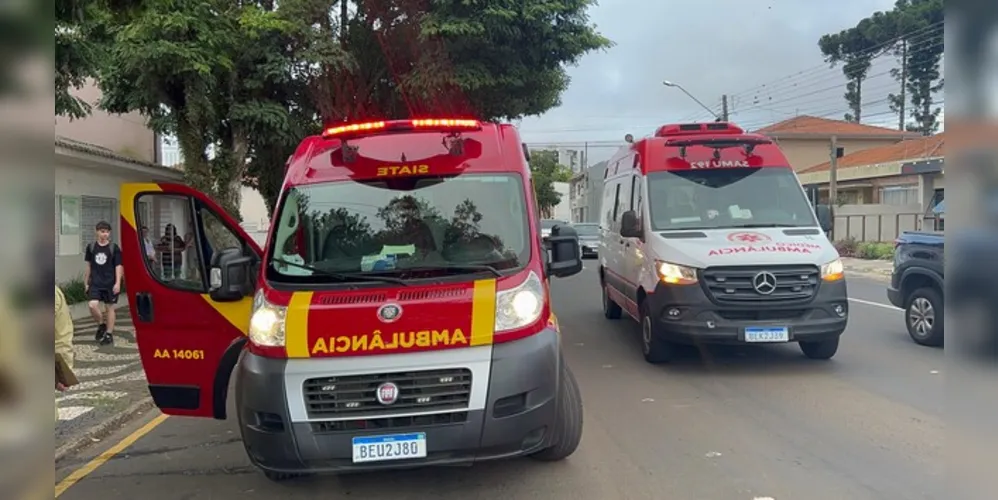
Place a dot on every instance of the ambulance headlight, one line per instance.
(520, 306)
(675, 274)
(833, 271)
(267, 322)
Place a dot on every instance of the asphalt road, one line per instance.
(752, 423)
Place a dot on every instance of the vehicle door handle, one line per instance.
(143, 307)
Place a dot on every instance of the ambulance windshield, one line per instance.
(433, 225)
(727, 198)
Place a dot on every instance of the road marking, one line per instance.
(875, 304)
(101, 459)
(73, 412)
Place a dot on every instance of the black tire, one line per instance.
(568, 434)
(823, 350)
(279, 477)
(923, 315)
(611, 310)
(654, 347)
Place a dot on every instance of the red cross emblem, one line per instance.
(748, 237)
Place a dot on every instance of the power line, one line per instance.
(927, 32)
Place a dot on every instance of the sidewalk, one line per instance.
(874, 269)
(112, 385)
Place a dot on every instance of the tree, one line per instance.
(912, 32)
(546, 170)
(248, 80)
(854, 48)
(204, 70)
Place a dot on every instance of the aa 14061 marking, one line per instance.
(378, 341)
(187, 354)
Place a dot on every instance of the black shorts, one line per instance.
(103, 295)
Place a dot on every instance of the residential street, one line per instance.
(740, 424)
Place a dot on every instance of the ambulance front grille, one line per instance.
(355, 396)
(733, 285)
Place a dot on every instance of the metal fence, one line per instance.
(877, 227)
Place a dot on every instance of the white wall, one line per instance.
(563, 210)
(75, 180)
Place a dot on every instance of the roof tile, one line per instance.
(824, 126)
(924, 147)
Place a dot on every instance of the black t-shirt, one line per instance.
(103, 260)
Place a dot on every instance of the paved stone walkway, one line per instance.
(111, 379)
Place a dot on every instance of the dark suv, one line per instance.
(917, 284)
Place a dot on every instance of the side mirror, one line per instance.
(231, 276)
(824, 214)
(566, 254)
(630, 226)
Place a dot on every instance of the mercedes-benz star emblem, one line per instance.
(387, 393)
(764, 283)
(389, 312)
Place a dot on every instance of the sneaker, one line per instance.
(101, 331)
(106, 339)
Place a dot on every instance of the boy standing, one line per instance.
(102, 277)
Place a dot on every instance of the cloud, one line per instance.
(711, 48)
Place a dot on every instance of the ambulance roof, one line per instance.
(400, 148)
(699, 146)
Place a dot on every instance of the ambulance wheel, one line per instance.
(568, 433)
(610, 308)
(655, 349)
(824, 349)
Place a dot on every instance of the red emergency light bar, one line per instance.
(421, 125)
(713, 128)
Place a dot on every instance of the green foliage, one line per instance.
(847, 247)
(912, 31)
(875, 251)
(75, 290)
(248, 80)
(546, 170)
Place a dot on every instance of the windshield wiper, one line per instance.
(343, 276)
(457, 268)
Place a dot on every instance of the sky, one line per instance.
(762, 53)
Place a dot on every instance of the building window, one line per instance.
(93, 210)
(899, 195)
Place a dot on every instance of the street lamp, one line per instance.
(667, 83)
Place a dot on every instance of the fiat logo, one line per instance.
(387, 393)
(389, 312)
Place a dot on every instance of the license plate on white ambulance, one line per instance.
(389, 447)
(767, 334)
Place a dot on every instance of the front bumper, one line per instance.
(703, 321)
(589, 250)
(518, 417)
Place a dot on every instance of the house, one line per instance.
(883, 191)
(93, 157)
(909, 172)
(807, 140)
(586, 193)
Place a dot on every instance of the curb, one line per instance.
(869, 275)
(103, 429)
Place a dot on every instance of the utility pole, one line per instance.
(724, 108)
(833, 188)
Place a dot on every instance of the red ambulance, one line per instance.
(399, 314)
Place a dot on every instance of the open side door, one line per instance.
(188, 341)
